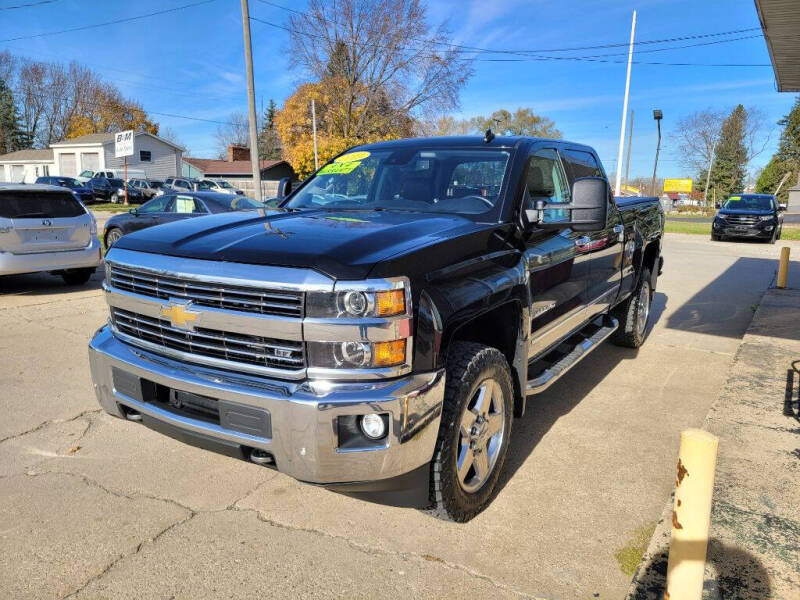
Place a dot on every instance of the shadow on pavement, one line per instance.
(37, 284)
(713, 310)
(543, 410)
(739, 574)
(791, 402)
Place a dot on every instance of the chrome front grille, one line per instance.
(742, 219)
(233, 348)
(282, 303)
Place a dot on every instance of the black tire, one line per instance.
(77, 276)
(715, 237)
(112, 236)
(632, 327)
(471, 368)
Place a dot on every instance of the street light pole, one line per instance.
(708, 175)
(628, 157)
(625, 108)
(251, 101)
(657, 115)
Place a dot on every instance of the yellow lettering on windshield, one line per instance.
(335, 168)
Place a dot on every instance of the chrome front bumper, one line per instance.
(303, 415)
(83, 258)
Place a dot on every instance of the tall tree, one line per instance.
(695, 135)
(269, 145)
(730, 159)
(522, 121)
(388, 63)
(12, 135)
(106, 110)
(786, 159)
(236, 132)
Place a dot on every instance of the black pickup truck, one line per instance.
(378, 332)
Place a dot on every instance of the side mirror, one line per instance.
(587, 211)
(781, 207)
(284, 187)
(134, 211)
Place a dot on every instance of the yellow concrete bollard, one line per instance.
(783, 267)
(691, 515)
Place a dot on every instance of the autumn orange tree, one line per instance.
(104, 109)
(375, 69)
(295, 129)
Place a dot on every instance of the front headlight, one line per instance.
(356, 355)
(767, 217)
(356, 303)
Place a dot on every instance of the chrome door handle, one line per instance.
(583, 241)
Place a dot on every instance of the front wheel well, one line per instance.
(501, 328)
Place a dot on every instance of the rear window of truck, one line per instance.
(38, 205)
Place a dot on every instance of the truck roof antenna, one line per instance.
(489, 136)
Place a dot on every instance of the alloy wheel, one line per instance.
(643, 307)
(481, 432)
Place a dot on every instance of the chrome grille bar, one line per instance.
(237, 349)
(284, 303)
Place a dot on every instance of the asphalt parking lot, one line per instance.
(94, 507)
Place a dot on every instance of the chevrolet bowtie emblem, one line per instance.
(179, 315)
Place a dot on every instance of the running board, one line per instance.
(580, 348)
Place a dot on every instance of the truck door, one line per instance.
(601, 249)
(558, 272)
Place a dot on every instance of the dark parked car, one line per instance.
(83, 193)
(171, 207)
(135, 196)
(100, 186)
(749, 215)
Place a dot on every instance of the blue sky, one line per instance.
(191, 63)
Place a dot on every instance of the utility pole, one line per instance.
(314, 129)
(657, 115)
(628, 159)
(251, 101)
(625, 108)
(708, 175)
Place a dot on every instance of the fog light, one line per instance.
(768, 228)
(373, 426)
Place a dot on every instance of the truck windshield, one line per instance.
(749, 203)
(464, 181)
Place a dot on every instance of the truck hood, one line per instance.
(341, 244)
(740, 211)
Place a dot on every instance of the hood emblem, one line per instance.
(47, 222)
(179, 314)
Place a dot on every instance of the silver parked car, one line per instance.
(218, 185)
(46, 228)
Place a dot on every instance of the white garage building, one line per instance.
(154, 156)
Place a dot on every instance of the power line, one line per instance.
(28, 5)
(114, 22)
(526, 57)
(569, 49)
(97, 103)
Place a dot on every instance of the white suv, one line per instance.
(45, 228)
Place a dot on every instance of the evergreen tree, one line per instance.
(269, 145)
(730, 159)
(12, 135)
(786, 159)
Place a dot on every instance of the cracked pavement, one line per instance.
(94, 507)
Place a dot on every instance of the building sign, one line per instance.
(123, 143)
(682, 186)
